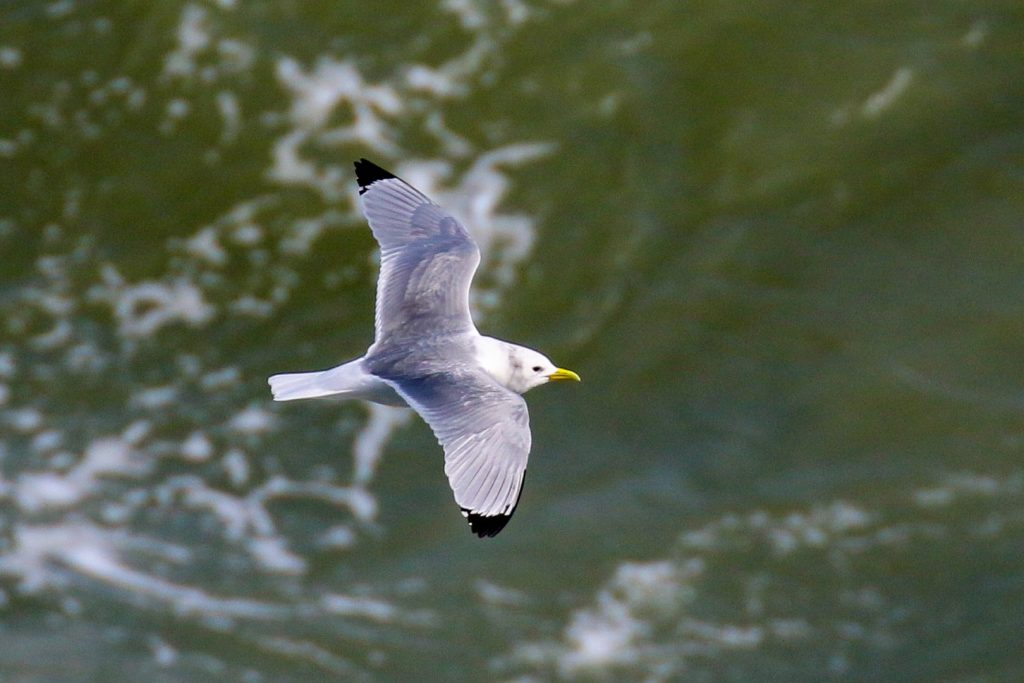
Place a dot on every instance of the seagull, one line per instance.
(428, 354)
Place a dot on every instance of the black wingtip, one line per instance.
(486, 525)
(368, 173)
(489, 525)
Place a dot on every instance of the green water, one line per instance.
(783, 243)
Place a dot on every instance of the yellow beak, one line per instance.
(563, 375)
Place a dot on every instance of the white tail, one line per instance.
(347, 381)
(290, 386)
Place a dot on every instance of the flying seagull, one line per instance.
(428, 354)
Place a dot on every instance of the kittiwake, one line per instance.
(428, 354)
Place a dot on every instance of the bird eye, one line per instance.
(536, 368)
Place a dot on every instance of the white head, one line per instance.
(517, 367)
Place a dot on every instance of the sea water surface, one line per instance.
(782, 242)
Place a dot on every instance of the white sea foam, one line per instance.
(235, 55)
(377, 610)
(163, 653)
(230, 111)
(193, 37)
(46, 441)
(492, 594)
(54, 338)
(44, 554)
(976, 35)
(47, 490)
(236, 465)
(317, 94)
(639, 624)
(472, 15)
(24, 420)
(304, 232)
(8, 365)
(338, 537)
(85, 358)
(10, 57)
(959, 485)
(155, 398)
(60, 8)
(36, 491)
(373, 437)
(240, 516)
(42, 557)
(246, 519)
(83, 503)
(357, 500)
(614, 630)
(303, 650)
(453, 79)
(883, 99)
(136, 432)
(252, 307)
(253, 420)
(271, 553)
(144, 308)
(247, 235)
(205, 245)
(220, 379)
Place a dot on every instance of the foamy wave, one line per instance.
(317, 94)
(44, 556)
(201, 52)
(961, 485)
(104, 457)
(172, 465)
(372, 438)
(650, 620)
(142, 309)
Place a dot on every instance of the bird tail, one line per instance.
(294, 385)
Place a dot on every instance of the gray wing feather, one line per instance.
(484, 430)
(427, 261)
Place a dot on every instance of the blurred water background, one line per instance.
(782, 242)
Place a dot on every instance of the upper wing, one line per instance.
(427, 258)
(485, 431)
